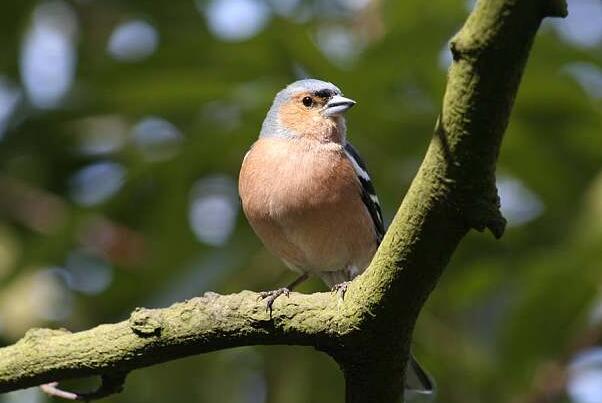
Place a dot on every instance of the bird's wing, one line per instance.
(368, 193)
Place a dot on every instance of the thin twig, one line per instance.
(110, 384)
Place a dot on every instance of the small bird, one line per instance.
(305, 190)
(307, 193)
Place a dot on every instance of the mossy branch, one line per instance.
(151, 336)
(368, 333)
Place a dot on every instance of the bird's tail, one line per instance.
(418, 382)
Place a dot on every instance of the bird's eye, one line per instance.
(307, 101)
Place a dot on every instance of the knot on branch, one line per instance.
(477, 197)
(484, 212)
(556, 8)
(146, 322)
(455, 49)
(463, 48)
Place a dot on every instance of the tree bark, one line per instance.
(370, 331)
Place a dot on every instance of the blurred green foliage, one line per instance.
(73, 256)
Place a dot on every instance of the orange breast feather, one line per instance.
(303, 200)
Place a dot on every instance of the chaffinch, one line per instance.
(308, 196)
(305, 190)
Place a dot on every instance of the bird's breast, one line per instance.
(303, 199)
(283, 178)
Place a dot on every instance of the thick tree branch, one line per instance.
(152, 336)
(368, 333)
(454, 190)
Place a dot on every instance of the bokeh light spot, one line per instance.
(29, 395)
(583, 25)
(445, 57)
(133, 41)
(156, 138)
(48, 55)
(235, 20)
(96, 183)
(49, 294)
(585, 377)
(338, 44)
(213, 209)
(518, 203)
(88, 273)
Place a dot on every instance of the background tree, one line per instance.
(110, 176)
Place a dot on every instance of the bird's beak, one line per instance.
(337, 106)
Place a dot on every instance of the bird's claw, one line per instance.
(341, 288)
(270, 296)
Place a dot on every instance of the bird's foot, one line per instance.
(341, 288)
(270, 296)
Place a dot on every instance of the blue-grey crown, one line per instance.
(310, 84)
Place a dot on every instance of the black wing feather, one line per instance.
(368, 193)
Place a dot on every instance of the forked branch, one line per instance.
(369, 332)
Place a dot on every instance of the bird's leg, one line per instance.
(341, 288)
(270, 296)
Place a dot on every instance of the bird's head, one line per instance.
(311, 109)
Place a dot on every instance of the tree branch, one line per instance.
(151, 336)
(454, 190)
(369, 333)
